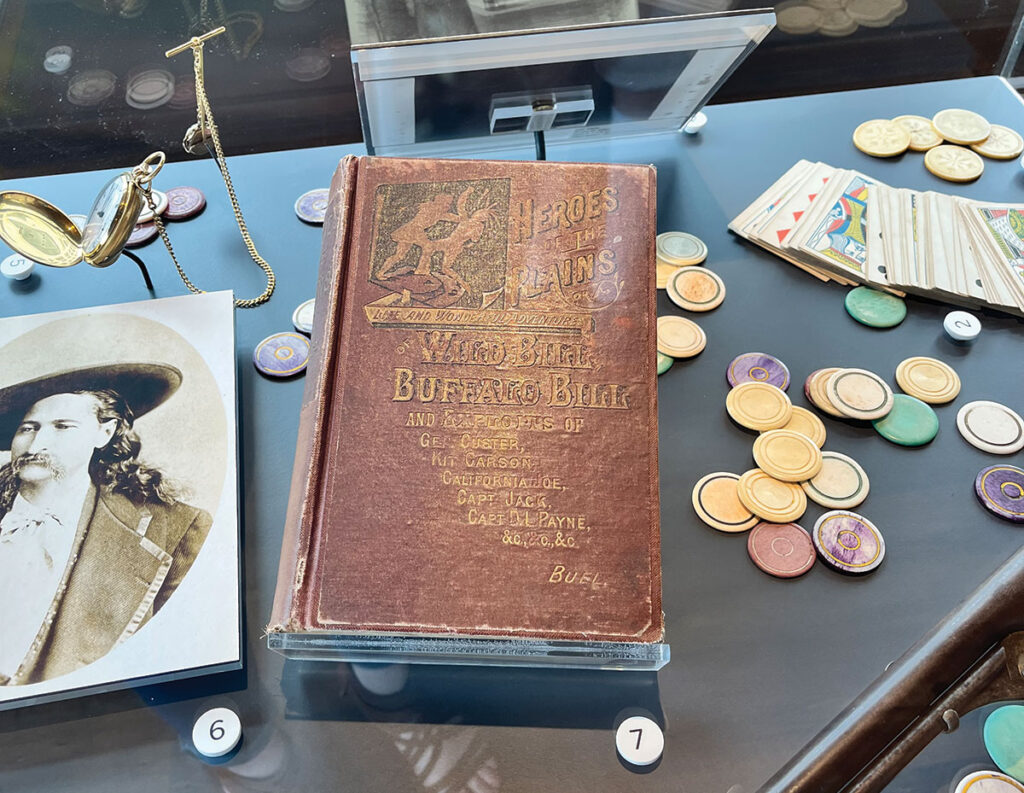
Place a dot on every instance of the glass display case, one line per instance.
(789, 678)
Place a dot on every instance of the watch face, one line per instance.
(110, 222)
(38, 230)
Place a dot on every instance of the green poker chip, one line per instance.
(911, 422)
(875, 309)
(664, 362)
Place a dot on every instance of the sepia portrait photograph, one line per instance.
(118, 497)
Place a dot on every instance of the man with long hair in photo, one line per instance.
(93, 541)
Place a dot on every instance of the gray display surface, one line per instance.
(758, 666)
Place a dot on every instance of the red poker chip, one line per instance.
(142, 234)
(784, 550)
(184, 203)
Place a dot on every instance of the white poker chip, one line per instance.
(91, 87)
(309, 64)
(17, 267)
(696, 123)
(961, 326)
(149, 89)
(161, 201)
(991, 427)
(302, 317)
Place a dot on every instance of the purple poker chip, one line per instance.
(848, 542)
(1000, 489)
(184, 203)
(282, 354)
(757, 367)
(312, 206)
(142, 234)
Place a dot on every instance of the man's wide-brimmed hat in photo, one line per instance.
(143, 386)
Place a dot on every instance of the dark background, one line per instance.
(259, 108)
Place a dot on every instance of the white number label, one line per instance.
(216, 732)
(639, 741)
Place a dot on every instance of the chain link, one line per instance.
(204, 116)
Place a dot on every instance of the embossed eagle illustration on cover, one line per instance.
(477, 453)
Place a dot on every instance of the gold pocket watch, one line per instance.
(38, 230)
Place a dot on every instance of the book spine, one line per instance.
(301, 523)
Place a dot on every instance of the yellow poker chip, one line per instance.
(881, 138)
(759, 406)
(807, 424)
(662, 274)
(928, 379)
(961, 126)
(954, 163)
(787, 456)
(1002, 143)
(717, 503)
(695, 289)
(680, 337)
(922, 134)
(770, 498)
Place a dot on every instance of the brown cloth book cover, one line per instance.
(477, 452)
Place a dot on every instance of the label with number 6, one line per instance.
(216, 732)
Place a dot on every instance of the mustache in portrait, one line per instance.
(18, 464)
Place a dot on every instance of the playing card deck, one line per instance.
(841, 225)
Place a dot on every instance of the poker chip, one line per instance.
(662, 274)
(875, 309)
(57, 60)
(308, 65)
(680, 337)
(961, 326)
(801, 420)
(1000, 489)
(961, 126)
(17, 267)
(302, 316)
(928, 379)
(149, 89)
(991, 427)
(988, 782)
(147, 214)
(184, 203)
(881, 137)
(954, 163)
(89, 88)
(814, 390)
(787, 456)
(859, 394)
(922, 134)
(910, 422)
(695, 289)
(848, 542)
(716, 502)
(142, 234)
(664, 362)
(1002, 143)
(759, 406)
(282, 354)
(840, 484)
(311, 207)
(679, 249)
(757, 367)
(770, 499)
(784, 550)
(1003, 735)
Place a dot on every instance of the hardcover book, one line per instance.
(477, 465)
(114, 534)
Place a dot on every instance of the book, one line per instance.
(477, 453)
(114, 535)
